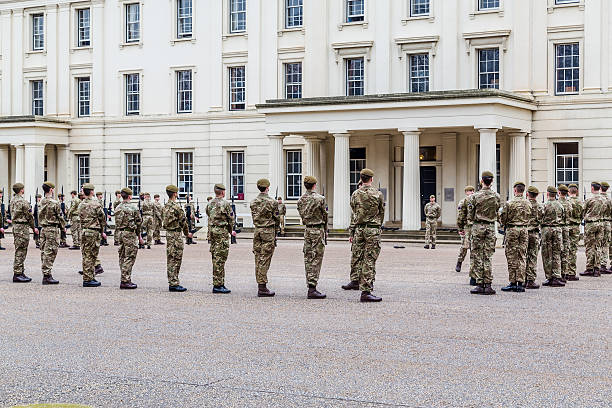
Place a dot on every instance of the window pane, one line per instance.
(293, 80)
(83, 96)
(488, 4)
(37, 98)
(354, 76)
(237, 84)
(184, 25)
(237, 15)
(38, 32)
(132, 16)
(354, 10)
(419, 73)
(294, 174)
(84, 28)
(567, 58)
(357, 162)
(132, 172)
(419, 7)
(488, 68)
(184, 173)
(293, 13)
(184, 89)
(237, 175)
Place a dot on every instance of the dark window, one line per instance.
(357, 162)
(427, 153)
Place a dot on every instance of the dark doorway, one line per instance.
(428, 186)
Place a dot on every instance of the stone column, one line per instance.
(323, 168)
(97, 80)
(276, 170)
(518, 159)
(34, 167)
(398, 168)
(313, 155)
(62, 168)
(411, 193)
(593, 47)
(51, 158)
(342, 208)
(488, 141)
(4, 167)
(19, 163)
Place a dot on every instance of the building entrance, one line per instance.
(428, 186)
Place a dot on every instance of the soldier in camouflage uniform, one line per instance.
(432, 213)
(220, 222)
(51, 222)
(605, 253)
(148, 212)
(36, 209)
(157, 220)
(465, 231)
(192, 218)
(3, 220)
(553, 218)
(93, 222)
(596, 209)
(368, 206)
(533, 231)
(23, 221)
(354, 275)
(567, 208)
(514, 217)
(574, 218)
(128, 227)
(264, 211)
(116, 203)
(62, 243)
(175, 223)
(75, 224)
(313, 211)
(482, 212)
(282, 213)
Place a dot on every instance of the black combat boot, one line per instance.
(48, 280)
(21, 278)
(473, 282)
(128, 285)
(352, 285)
(510, 288)
(75, 247)
(263, 291)
(532, 285)
(458, 267)
(519, 287)
(177, 288)
(488, 290)
(99, 270)
(369, 297)
(426, 246)
(572, 278)
(313, 293)
(433, 246)
(91, 284)
(478, 290)
(221, 289)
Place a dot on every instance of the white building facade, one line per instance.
(427, 93)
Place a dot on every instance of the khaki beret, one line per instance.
(563, 188)
(38, 195)
(432, 196)
(60, 195)
(310, 180)
(367, 172)
(172, 188)
(18, 187)
(605, 184)
(595, 183)
(263, 183)
(147, 194)
(518, 183)
(573, 186)
(552, 189)
(98, 193)
(533, 189)
(117, 192)
(279, 198)
(487, 173)
(209, 198)
(127, 191)
(74, 192)
(220, 186)
(49, 184)
(156, 196)
(469, 188)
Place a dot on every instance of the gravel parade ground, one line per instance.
(428, 344)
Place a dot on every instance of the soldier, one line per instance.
(51, 222)
(465, 230)
(514, 217)
(21, 213)
(574, 219)
(63, 237)
(282, 213)
(128, 227)
(157, 220)
(220, 221)
(148, 212)
(553, 216)
(4, 221)
(567, 208)
(354, 282)
(432, 213)
(38, 198)
(75, 224)
(93, 223)
(533, 231)
(595, 212)
(116, 203)
(368, 206)
(104, 241)
(190, 210)
(313, 211)
(482, 212)
(605, 253)
(175, 223)
(264, 211)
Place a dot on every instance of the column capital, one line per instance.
(275, 136)
(312, 139)
(518, 134)
(487, 129)
(340, 133)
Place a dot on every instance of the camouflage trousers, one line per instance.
(517, 242)
(593, 241)
(128, 249)
(282, 224)
(90, 248)
(62, 239)
(48, 248)
(533, 248)
(21, 237)
(263, 248)
(174, 256)
(552, 244)
(314, 249)
(431, 228)
(565, 249)
(465, 244)
(75, 230)
(147, 226)
(574, 237)
(482, 250)
(354, 270)
(157, 229)
(366, 248)
(605, 251)
(219, 250)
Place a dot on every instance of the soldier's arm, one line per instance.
(29, 216)
(138, 222)
(381, 208)
(183, 222)
(324, 211)
(60, 218)
(101, 219)
(229, 216)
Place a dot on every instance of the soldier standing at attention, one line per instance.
(115, 205)
(312, 209)
(368, 206)
(482, 212)
(533, 247)
(148, 212)
(567, 208)
(264, 211)
(75, 224)
(514, 218)
(574, 218)
(175, 223)
(595, 212)
(93, 222)
(552, 239)
(157, 220)
(220, 221)
(23, 221)
(282, 212)
(465, 230)
(62, 243)
(605, 253)
(51, 221)
(354, 282)
(38, 197)
(432, 213)
(128, 227)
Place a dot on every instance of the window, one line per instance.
(488, 68)
(419, 8)
(427, 153)
(488, 4)
(132, 22)
(566, 1)
(237, 175)
(184, 18)
(37, 98)
(237, 16)
(82, 169)
(38, 32)
(132, 94)
(294, 16)
(237, 85)
(84, 96)
(184, 173)
(132, 172)
(184, 87)
(354, 11)
(354, 76)
(84, 28)
(419, 73)
(567, 67)
(294, 174)
(566, 163)
(293, 80)
(357, 162)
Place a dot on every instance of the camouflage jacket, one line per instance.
(264, 211)
(608, 215)
(596, 209)
(535, 214)
(219, 212)
(282, 209)
(483, 206)
(73, 211)
(462, 221)
(575, 215)
(157, 210)
(116, 204)
(127, 217)
(567, 209)
(312, 208)
(553, 214)
(147, 208)
(173, 218)
(50, 214)
(191, 210)
(91, 214)
(432, 211)
(516, 212)
(21, 211)
(368, 206)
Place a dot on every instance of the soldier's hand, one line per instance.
(233, 233)
(190, 235)
(462, 233)
(9, 221)
(140, 240)
(2, 230)
(64, 230)
(351, 240)
(104, 235)
(36, 231)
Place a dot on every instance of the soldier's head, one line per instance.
(147, 196)
(18, 188)
(73, 193)
(88, 189)
(487, 178)
(366, 176)
(263, 185)
(280, 199)
(519, 188)
(126, 194)
(219, 190)
(156, 197)
(99, 195)
(118, 193)
(604, 186)
(432, 198)
(563, 190)
(48, 187)
(533, 192)
(208, 199)
(551, 192)
(310, 182)
(573, 190)
(38, 197)
(595, 186)
(172, 191)
(469, 190)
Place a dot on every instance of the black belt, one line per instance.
(516, 226)
(484, 222)
(92, 229)
(315, 225)
(551, 226)
(589, 222)
(173, 230)
(21, 222)
(573, 224)
(367, 226)
(126, 229)
(265, 226)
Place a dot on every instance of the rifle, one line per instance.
(197, 213)
(63, 211)
(105, 210)
(277, 222)
(188, 213)
(36, 236)
(233, 239)
(505, 225)
(2, 213)
(326, 221)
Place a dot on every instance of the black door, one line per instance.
(428, 186)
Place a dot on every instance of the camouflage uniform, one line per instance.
(553, 218)
(595, 211)
(220, 221)
(148, 212)
(93, 222)
(128, 227)
(64, 215)
(354, 270)
(565, 231)
(264, 210)
(157, 220)
(432, 213)
(51, 222)
(514, 217)
(574, 218)
(466, 227)
(75, 223)
(282, 212)
(23, 221)
(368, 206)
(533, 246)
(175, 223)
(605, 252)
(3, 223)
(482, 212)
(36, 220)
(312, 209)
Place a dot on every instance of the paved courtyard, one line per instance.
(429, 343)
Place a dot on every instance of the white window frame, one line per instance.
(85, 41)
(357, 171)
(576, 156)
(287, 7)
(234, 14)
(354, 18)
(557, 69)
(346, 75)
(499, 64)
(564, 2)
(476, 10)
(239, 152)
(481, 3)
(38, 38)
(184, 176)
(126, 23)
(409, 70)
(130, 173)
(187, 34)
(132, 92)
(291, 84)
(35, 98)
(82, 80)
(237, 89)
(83, 178)
(290, 177)
(412, 4)
(186, 92)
